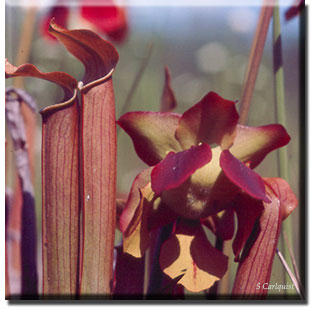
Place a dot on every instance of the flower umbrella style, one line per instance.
(201, 172)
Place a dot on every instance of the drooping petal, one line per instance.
(136, 238)
(98, 56)
(247, 210)
(257, 258)
(107, 17)
(283, 191)
(141, 181)
(212, 120)
(168, 100)
(189, 255)
(152, 133)
(252, 144)
(221, 224)
(176, 168)
(242, 176)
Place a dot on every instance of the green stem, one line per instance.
(282, 154)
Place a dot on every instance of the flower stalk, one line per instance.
(254, 60)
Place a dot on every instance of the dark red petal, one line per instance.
(222, 224)
(252, 144)
(109, 19)
(129, 276)
(242, 176)
(212, 120)
(247, 211)
(161, 215)
(60, 14)
(152, 133)
(168, 100)
(176, 168)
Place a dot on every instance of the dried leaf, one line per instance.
(15, 124)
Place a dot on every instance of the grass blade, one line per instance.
(291, 275)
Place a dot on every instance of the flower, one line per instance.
(201, 172)
(107, 18)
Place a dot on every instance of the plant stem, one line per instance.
(282, 154)
(156, 274)
(254, 61)
(136, 81)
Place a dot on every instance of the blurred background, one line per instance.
(206, 49)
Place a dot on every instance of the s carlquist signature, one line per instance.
(276, 286)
